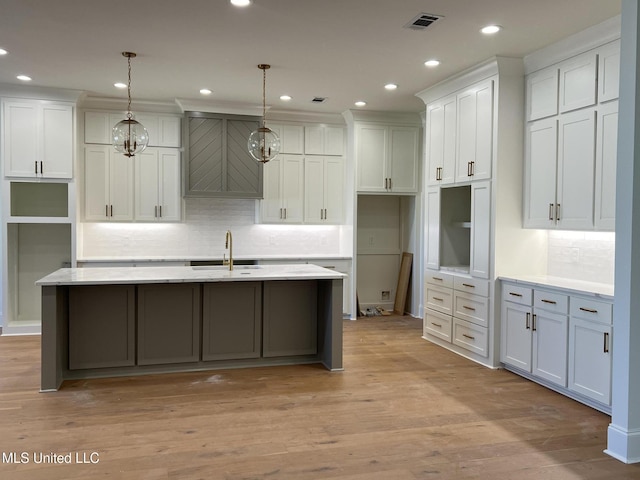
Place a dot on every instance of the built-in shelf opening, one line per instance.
(34, 199)
(455, 218)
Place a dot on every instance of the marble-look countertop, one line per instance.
(603, 290)
(137, 275)
(211, 258)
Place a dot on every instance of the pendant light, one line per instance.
(263, 144)
(129, 136)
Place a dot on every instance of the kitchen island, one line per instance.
(124, 321)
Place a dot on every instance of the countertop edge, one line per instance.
(578, 287)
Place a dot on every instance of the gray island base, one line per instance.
(105, 322)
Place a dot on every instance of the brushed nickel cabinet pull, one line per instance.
(469, 308)
(469, 169)
(558, 212)
(438, 279)
(589, 310)
(41, 169)
(533, 323)
(389, 183)
(325, 213)
(553, 302)
(160, 210)
(436, 325)
(473, 168)
(515, 294)
(35, 167)
(551, 211)
(527, 323)
(438, 173)
(285, 213)
(438, 299)
(606, 342)
(468, 336)
(155, 211)
(468, 285)
(111, 209)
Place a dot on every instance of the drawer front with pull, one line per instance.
(551, 301)
(470, 337)
(471, 307)
(472, 285)
(440, 299)
(594, 310)
(439, 279)
(437, 324)
(516, 294)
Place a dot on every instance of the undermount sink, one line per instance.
(225, 267)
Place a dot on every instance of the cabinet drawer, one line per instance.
(471, 285)
(470, 336)
(594, 310)
(436, 324)
(440, 299)
(438, 278)
(473, 308)
(551, 301)
(516, 294)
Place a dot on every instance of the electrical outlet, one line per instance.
(386, 294)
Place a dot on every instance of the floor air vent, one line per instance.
(422, 21)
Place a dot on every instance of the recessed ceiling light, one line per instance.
(3, 51)
(285, 98)
(120, 85)
(391, 86)
(240, 3)
(360, 103)
(491, 29)
(205, 91)
(24, 78)
(432, 63)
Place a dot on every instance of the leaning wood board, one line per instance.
(403, 283)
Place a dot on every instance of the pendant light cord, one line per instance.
(264, 100)
(129, 114)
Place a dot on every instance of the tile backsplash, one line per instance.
(202, 234)
(588, 256)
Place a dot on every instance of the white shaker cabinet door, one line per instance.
(96, 182)
(333, 190)
(432, 248)
(578, 82)
(542, 93)
(314, 188)
(516, 335)
(170, 198)
(576, 165)
(371, 154)
(404, 148)
(590, 359)
(606, 160)
(20, 134)
(292, 188)
(57, 141)
(271, 204)
(480, 229)
(121, 206)
(441, 141)
(540, 173)
(147, 175)
(549, 360)
(609, 71)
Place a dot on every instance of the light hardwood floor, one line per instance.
(403, 409)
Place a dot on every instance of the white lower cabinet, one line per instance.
(560, 340)
(456, 313)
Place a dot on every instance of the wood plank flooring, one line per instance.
(403, 409)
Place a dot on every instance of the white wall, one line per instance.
(202, 234)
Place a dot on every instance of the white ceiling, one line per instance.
(345, 50)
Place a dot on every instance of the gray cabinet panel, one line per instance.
(218, 161)
(231, 320)
(168, 323)
(101, 326)
(290, 318)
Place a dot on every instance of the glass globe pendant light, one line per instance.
(263, 143)
(129, 136)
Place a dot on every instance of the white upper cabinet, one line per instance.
(324, 140)
(283, 190)
(606, 159)
(291, 137)
(475, 127)
(37, 139)
(323, 189)
(541, 144)
(164, 130)
(542, 93)
(441, 141)
(609, 71)
(157, 185)
(578, 82)
(387, 158)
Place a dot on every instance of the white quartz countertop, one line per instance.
(136, 275)
(110, 259)
(604, 290)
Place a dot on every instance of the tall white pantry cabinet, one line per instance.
(473, 132)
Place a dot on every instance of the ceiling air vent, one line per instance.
(422, 21)
(319, 99)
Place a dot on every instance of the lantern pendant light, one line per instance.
(129, 136)
(263, 144)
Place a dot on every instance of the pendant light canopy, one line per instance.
(129, 136)
(263, 144)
